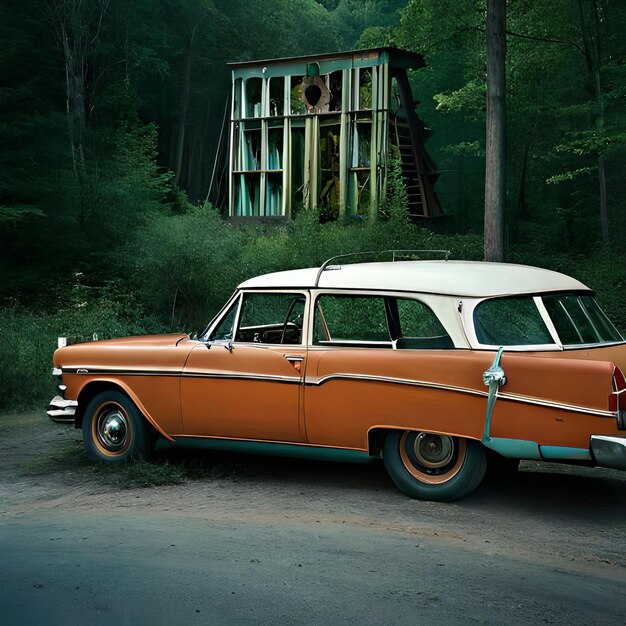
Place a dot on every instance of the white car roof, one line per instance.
(458, 278)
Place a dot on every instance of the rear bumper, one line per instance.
(61, 410)
(609, 451)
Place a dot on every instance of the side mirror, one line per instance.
(226, 343)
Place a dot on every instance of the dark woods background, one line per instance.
(111, 114)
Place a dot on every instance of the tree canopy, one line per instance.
(111, 115)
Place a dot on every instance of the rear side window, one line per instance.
(377, 321)
(419, 327)
(579, 320)
(417, 320)
(510, 322)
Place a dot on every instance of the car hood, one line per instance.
(125, 349)
(145, 340)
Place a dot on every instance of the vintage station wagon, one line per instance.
(433, 366)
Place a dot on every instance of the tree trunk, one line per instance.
(495, 162)
(184, 106)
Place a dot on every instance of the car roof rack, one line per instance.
(396, 255)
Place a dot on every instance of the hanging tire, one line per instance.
(114, 430)
(428, 466)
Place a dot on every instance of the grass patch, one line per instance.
(139, 474)
(67, 456)
(18, 421)
(165, 468)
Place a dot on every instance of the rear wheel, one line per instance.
(114, 430)
(428, 466)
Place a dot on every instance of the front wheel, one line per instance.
(428, 466)
(114, 430)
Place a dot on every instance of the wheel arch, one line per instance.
(376, 436)
(94, 387)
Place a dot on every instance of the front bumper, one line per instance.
(609, 451)
(62, 410)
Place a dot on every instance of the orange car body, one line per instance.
(295, 384)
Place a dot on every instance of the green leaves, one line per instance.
(570, 175)
(14, 214)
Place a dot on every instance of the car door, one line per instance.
(245, 381)
(386, 361)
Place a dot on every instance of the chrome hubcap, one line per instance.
(433, 451)
(112, 429)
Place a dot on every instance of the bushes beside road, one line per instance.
(181, 269)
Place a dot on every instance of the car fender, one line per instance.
(131, 394)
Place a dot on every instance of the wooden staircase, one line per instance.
(408, 133)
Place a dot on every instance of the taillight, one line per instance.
(617, 400)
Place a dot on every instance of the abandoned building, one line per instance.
(319, 132)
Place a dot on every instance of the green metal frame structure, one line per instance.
(317, 131)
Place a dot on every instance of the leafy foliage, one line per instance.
(106, 163)
(190, 264)
(30, 337)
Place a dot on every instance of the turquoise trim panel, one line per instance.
(514, 448)
(561, 453)
(277, 449)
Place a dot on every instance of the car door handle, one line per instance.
(296, 361)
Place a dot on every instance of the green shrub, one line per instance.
(29, 338)
(187, 266)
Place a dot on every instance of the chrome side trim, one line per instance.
(244, 376)
(506, 396)
(177, 373)
(398, 381)
(588, 346)
(514, 397)
(609, 451)
(92, 370)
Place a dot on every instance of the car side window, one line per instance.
(271, 318)
(224, 330)
(340, 318)
(578, 320)
(510, 322)
(377, 321)
(419, 327)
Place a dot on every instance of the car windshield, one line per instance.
(517, 321)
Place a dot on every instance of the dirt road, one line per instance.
(266, 541)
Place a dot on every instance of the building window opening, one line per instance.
(254, 90)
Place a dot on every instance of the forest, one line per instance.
(112, 168)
